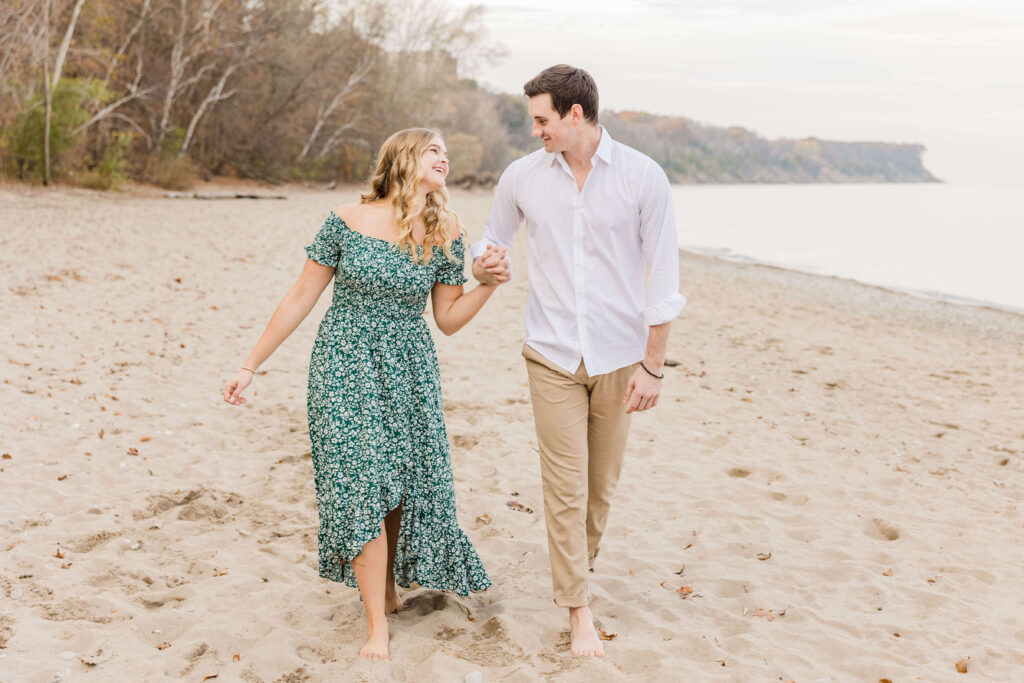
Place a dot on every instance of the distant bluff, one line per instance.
(696, 153)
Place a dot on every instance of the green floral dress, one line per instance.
(375, 414)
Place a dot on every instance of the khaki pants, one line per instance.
(581, 431)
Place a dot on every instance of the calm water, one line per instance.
(951, 241)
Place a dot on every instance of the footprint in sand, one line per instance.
(300, 675)
(464, 441)
(312, 654)
(882, 530)
(6, 630)
(430, 601)
(86, 544)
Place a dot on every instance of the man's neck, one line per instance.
(580, 154)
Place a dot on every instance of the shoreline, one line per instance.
(952, 299)
(232, 185)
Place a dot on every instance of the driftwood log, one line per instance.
(201, 195)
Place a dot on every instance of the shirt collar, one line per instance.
(604, 151)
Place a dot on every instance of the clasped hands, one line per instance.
(492, 267)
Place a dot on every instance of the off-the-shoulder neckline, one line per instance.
(380, 239)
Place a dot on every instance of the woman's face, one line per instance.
(435, 165)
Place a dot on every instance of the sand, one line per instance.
(830, 489)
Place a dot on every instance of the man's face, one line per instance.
(556, 132)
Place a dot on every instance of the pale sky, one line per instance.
(943, 73)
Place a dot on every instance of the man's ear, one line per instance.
(577, 113)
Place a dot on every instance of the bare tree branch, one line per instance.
(134, 92)
(216, 94)
(123, 48)
(62, 53)
(325, 112)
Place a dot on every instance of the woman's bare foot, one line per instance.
(585, 641)
(392, 603)
(376, 644)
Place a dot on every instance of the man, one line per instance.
(604, 277)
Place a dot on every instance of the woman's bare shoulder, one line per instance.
(350, 212)
(454, 231)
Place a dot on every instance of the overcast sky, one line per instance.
(946, 74)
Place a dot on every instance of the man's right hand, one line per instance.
(492, 267)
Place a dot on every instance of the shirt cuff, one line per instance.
(665, 310)
(477, 248)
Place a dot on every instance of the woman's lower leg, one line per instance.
(371, 573)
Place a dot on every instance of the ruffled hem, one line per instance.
(432, 557)
(322, 255)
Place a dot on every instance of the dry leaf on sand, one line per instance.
(769, 614)
(961, 666)
(518, 507)
(604, 635)
(684, 591)
(163, 646)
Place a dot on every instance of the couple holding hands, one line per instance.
(603, 287)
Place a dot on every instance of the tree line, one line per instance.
(95, 92)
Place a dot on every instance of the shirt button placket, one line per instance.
(580, 287)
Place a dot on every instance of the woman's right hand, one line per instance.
(234, 388)
(493, 266)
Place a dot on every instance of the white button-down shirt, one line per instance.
(603, 263)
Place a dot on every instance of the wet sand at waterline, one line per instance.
(830, 488)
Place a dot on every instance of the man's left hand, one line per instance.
(643, 391)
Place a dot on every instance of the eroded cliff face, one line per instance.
(694, 153)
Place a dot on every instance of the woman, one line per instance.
(384, 485)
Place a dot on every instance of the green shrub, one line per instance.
(112, 169)
(25, 139)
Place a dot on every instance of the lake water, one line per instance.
(956, 242)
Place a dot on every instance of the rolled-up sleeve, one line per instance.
(505, 218)
(661, 249)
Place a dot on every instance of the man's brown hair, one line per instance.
(567, 85)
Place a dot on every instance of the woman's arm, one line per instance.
(292, 310)
(454, 307)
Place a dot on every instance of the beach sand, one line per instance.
(829, 490)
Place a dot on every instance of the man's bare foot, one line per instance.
(392, 603)
(376, 644)
(585, 641)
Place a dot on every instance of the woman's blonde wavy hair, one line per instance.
(397, 179)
